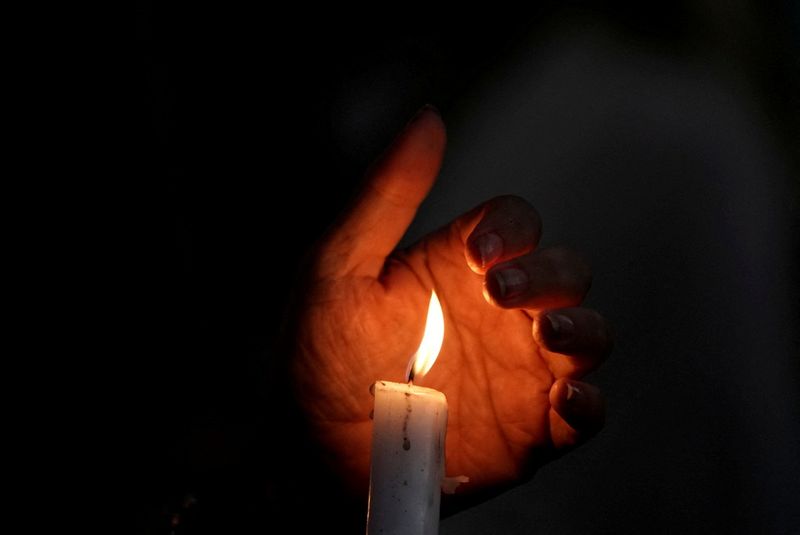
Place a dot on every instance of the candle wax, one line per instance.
(408, 440)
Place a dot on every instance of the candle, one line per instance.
(408, 441)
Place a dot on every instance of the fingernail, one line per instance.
(581, 406)
(509, 282)
(573, 393)
(489, 247)
(561, 327)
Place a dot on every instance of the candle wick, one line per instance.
(411, 376)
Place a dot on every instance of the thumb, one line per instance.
(390, 195)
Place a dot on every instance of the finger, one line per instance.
(576, 340)
(546, 278)
(578, 412)
(388, 200)
(509, 227)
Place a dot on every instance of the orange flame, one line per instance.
(423, 359)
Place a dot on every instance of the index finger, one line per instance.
(508, 226)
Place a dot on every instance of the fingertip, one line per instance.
(556, 329)
(407, 169)
(580, 404)
(429, 120)
(483, 251)
(553, 277)
(508, 227)
(575, 331)
(504, 285)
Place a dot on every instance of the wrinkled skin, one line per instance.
(363, 312)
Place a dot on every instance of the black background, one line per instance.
(256, 124)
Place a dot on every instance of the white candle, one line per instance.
(407, 459)
(408, 444)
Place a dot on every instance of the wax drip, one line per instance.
(406, 441)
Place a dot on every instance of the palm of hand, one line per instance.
(513, 403)
(357, 330)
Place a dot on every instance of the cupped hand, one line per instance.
(515, 342)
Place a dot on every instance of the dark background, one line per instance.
(661, 139)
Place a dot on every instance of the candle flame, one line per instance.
(423, 359)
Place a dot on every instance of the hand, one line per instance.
(515, 341)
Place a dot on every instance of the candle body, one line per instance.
(408, 440)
